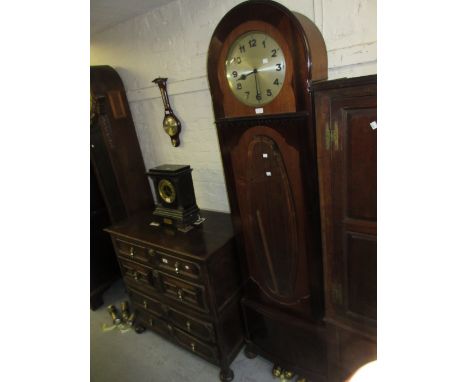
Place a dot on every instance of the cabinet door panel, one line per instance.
(347, 160)
(361, 275)
(361, 162)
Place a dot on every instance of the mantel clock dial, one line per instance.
(166, 191)
(255, 68)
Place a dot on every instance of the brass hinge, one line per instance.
(332, 137)
(337, 296)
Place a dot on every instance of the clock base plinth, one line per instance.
(176, 217)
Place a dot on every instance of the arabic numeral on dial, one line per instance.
(259, 97)
(234, 74)
(278, 67)
(273, 53)
(236, 60)
(276, 82)
(252, 43)
(242, 48)
(264, 43)
(239, 86)
(247, 95)
(269, 93)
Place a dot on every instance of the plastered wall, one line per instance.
(172, 41)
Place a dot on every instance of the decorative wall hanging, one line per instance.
(171, 123)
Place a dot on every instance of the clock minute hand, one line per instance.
(256, 84)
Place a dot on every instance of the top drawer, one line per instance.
(174, 265)
(131, 251)
(159, 259)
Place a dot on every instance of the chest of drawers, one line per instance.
(184, 286)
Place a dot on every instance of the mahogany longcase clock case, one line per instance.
(263, 60)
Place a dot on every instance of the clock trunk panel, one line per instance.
(269, 182)
(274, 234)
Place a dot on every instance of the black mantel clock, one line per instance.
(176, 204)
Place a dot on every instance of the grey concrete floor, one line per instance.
(147, 357)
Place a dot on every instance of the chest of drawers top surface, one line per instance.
(199, 243)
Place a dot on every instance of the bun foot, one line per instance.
(96, 301)
(287, 375)
(226, 375)
(139, 329)
(249, 353)
(277, 371)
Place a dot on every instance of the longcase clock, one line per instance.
(263, 61)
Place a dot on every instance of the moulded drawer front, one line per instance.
(186, 293)
(195, 327)
(146, 302)
(136, 274)
(175, 265)
(131, 251)
(155, 323)
(196, 346)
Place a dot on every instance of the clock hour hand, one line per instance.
(244, 76)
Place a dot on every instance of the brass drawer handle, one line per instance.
(187, 324)
(151, 252)
(145, 304)
(176, 267)
(136, 276)
(132, 252)
(151, 322)
(192, 345)
(180, 294)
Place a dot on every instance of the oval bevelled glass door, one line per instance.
(272, 217)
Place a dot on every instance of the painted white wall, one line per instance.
(172, 41)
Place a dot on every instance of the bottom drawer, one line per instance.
(196, 327)
(166, 329)
(196, 346)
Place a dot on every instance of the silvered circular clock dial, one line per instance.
(255, 68)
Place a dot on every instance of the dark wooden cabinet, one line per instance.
(103, 264)
(347, 160)
(119, 185)
(185, 286)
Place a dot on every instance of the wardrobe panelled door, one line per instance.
(346, 115)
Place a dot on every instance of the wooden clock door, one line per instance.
(270, 196)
